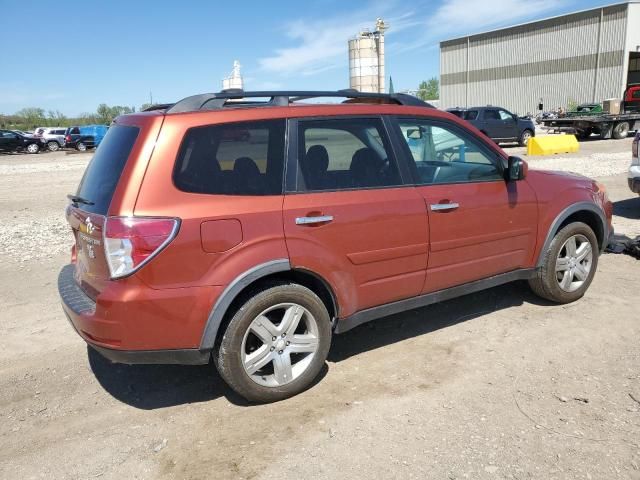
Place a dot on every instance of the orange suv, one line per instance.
(249, 227)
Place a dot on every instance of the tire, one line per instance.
(584, 134)
(80, 146)
(53, 146)
(33, 148)
(547, 283)
(248, 334)
(525, 136)
(621, 130)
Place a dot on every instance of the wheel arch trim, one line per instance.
(232, 291)
(566, 213)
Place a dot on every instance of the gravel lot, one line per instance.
(493, 385)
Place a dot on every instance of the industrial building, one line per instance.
(581, 57)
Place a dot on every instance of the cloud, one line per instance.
(464, 17)
(471, 16)
(322, 44)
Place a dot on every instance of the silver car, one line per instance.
(53, 137)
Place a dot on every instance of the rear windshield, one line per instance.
(101, 176)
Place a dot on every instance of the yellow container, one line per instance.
(550, 144)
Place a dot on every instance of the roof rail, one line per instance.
(158, 106)
(237, 97)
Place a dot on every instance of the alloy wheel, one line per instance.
(279, 344)
(574, 262)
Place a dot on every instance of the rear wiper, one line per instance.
(77, 199)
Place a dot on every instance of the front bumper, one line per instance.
(136, 324)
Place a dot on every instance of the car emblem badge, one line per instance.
(90, 226)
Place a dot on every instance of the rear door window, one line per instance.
(232, 159)
(341, 154)
(101, 176)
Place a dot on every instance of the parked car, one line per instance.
(252, 232)
(52, 137)
(96, 131)
(74, 139)
(11, 141)
(499, 124)
(634, 169)
(24, 134)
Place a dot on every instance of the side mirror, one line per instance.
(414, 133)
(517, 169)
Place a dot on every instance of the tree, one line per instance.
(429, 89)
(33, 117)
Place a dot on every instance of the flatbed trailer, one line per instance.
(606, 125)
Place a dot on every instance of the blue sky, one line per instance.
(116, 52)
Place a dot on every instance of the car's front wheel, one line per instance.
(53, 146)
(275, 344)
(525, 136)
(568, 264)
(33, 148)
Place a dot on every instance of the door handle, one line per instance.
(314, 220)
(439, 207)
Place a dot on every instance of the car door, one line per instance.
(9, 141)
(509, 127)
(479, 224)
(351, 214)
(4, 140)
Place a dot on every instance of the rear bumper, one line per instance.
(131, 323)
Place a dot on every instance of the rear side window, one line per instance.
(344, 154)
(101, 176)
(232, 159)
(470, 115)
(491, 115)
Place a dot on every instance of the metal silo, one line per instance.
(366, 60)
(233, 81)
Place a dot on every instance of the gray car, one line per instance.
(53, 137)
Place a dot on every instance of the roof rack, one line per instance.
(159, 106)
(240, 98)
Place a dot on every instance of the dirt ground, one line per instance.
(497, 384)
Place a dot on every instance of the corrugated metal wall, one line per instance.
(552, 59)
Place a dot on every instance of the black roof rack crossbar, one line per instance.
(215, 101)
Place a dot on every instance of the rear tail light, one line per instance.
(67, 138)
(130, 242)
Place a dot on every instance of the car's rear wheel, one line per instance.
(568, 265)
(53, 146)
(81, 147)
(525, 137)
(275, 344)
(33, 148)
